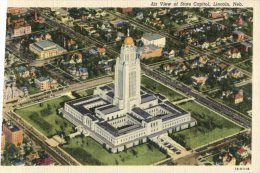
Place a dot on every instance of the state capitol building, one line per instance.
(124, 114)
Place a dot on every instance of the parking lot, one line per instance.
(174, 149)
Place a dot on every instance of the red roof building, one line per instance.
(44, 161)
(126, 10)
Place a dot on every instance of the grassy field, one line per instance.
(161, 89)
(44, 117)
(84, 93)
(210, 127)
(79, 148)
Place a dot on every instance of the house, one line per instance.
(233, 53)
(150, 51)
(78, 57)
(243, 152)
(240, 21)
(62, 15)
(44, 83)
(22, 71)
(237, 96)
(125, 10)
(238, 35)
(199, 80)
(24, 90)
(101, 50)
(20, 27)
(222, 66)
(32, 156)
(107, 69)
(93, 51)
(205, 45)
(203, 60)
(82, 72)
(140, 15)
(245, 162)
(245, 46)
(44, 161)
(228, 159)
(236, 73)
(154, 39)
(13, 134)
(215, 14)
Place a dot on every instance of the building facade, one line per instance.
(20, 27)
(154, 39)
(44, 83)
(2, 142)
(124, 114)
(46, 49)
(13, 134)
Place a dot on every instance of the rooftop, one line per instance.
(108, 109)
(151, 36)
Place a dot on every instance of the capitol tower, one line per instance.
(127, 77)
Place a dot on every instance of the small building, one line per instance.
(20, 27)
(13, 134)
(125, 10)
(32, 156)
(22, 71)
(233, 53)
(238, 35)
(236, 73)
(2, 142)
(238, 96)
(243, 152)
(228, 159)
(199, 80)
(154, 39)
(16, 11)
(46, 49)
(44, 161)
(44, 83)
(245, 46)
(101, 50)
(245, 162)
(150, 51)
(215, 14)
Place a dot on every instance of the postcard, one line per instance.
(145, 86)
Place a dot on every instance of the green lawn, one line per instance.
(79, 148)
(84, 93)
(210, 127)
(161, 89)
(44, 117)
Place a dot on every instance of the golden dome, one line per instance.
(128, 40)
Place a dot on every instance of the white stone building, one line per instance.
(124, 114)
(154, 39)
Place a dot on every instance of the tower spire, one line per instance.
(128, 32)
